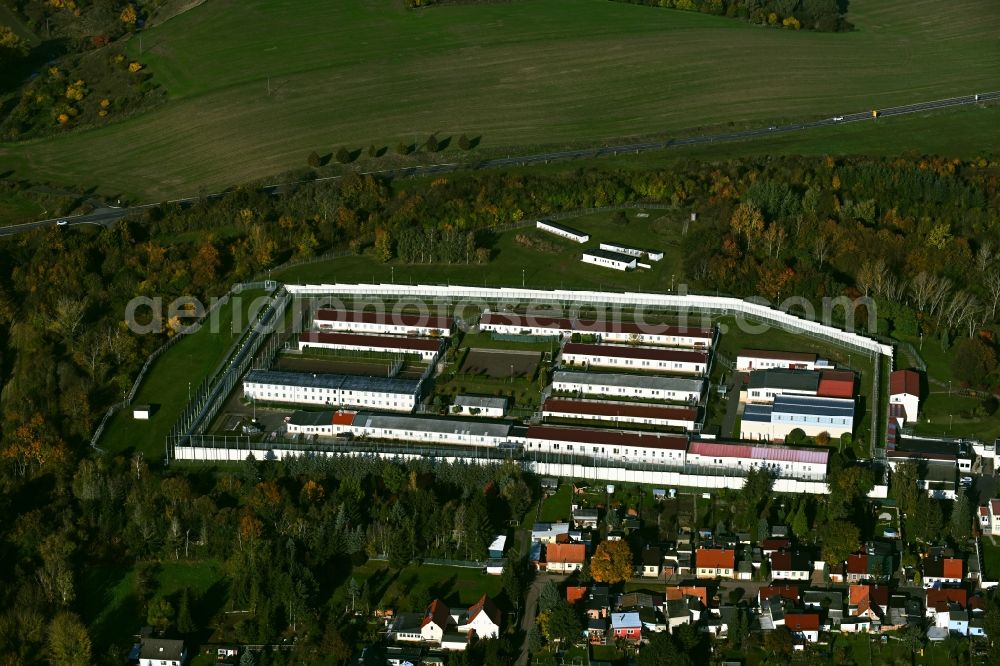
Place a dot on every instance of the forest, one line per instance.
(916, 234)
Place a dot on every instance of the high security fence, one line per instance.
(130, 396)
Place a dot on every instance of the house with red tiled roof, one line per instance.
(804, 626)
(904, 389)
(768, 546)
(715, 563)
(564, 557)
(942, 571)
(789, 593)
(435, 622)
(574, 593)
(939, 600)
(868, 601)
(790, 565)
(483, 618)
(675, 592)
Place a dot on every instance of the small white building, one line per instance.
(904, 389)
(562, 230)
(161, 652)
(628, 357)
(646, 387)
(391, 323)
(481, 405)
(619, 262)
(758, 359)
(426, 348)
(141, 412)
(385, 393)
(605, 330)
(989, 517)
(482, 618)
(621, 412)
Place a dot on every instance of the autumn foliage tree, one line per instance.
(612, 562)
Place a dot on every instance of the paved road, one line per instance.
(107, 216)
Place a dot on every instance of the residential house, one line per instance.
(939, 600)
(652, 562)
(715, 563)
(549, 532)
(564, 557)
(804, 626)
(768, 546)
(684, 591)
(677, 612)
(598, 603)
(483, 618)
(161, 652)
(597, 630)
(989, 517)
(651, 620)
(575, 593)
(868, 602)
(875, 564)
(626, 626)
(435, 622)
(787, 565)
(789, 593)
(636, 600)
(828, 603)
(586, 519)
(940, 571)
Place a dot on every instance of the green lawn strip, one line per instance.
(944, 414)
(937, 359)
(487, 341)
(456, 586)
(166, 383)
(556, 507)
(521, 75)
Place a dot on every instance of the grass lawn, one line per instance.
(114, 614)
(268, 82)
(556, 508)
(166, 383)
(951, 415)
(991, 559)
(554, 269)
(455, 586)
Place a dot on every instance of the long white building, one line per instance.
(621, 412)
(562, 230)
(652, 255)
(396, 395)
(637, 332)
(759, 359)
(783, 460)
(645, 387)
(632, 446)
(392, 323)
(426, 348)
(397, 427)
(619, 262)
(812, 415)
(628, 357)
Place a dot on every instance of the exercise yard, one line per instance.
(500, 364)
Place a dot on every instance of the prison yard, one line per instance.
(264, 73)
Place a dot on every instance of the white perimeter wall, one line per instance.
(666, 301)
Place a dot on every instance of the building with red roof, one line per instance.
(715, 563)
(942, 571)
(483, 618)
(789, 593)
(904, 389)
(785, 460)
(629, 357)
(564, 557)
(989, 517)
(621, 412)
(836, 384)
(575, 593)
(790, 565)
(804, 626)
(437, 617)
(938, 600)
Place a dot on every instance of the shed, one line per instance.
(142, 412)
(497, 547)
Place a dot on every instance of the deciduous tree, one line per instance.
(612, 562)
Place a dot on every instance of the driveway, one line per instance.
(528, 619)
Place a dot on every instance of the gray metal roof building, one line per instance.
(781, 378)
(481, 401)
(338, 382)
(629, 381)
(433, 424)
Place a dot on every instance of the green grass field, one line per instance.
(558, 268)
(166, 383)
(254, 86)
